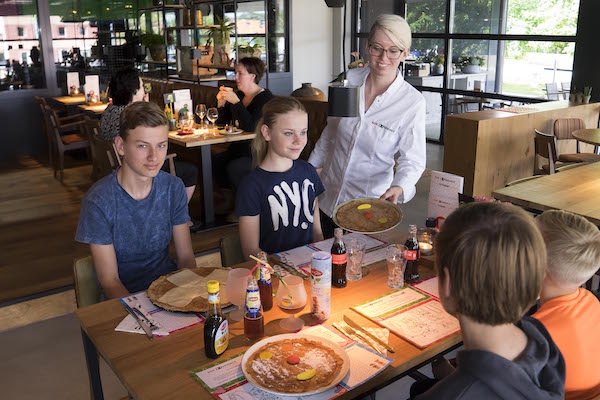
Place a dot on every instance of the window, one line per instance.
(20, 31)
(61, 30)
(507, 49)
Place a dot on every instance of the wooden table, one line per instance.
(204, 142)
(160, 368)
(589, 136)
(70, 100)
(576, 190)
(97, 109)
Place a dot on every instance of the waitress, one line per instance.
(380, 153)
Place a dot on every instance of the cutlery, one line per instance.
(140, 321)
(347, 331)
(356, 326)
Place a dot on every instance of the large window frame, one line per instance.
(448, 36)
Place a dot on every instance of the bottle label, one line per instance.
(222, 338)
(321, 285)
(265, 276)
(409, 255)
(253, 302)
(213, 298)
(339, 258)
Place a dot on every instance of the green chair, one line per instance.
(231, 250)
(87, 292)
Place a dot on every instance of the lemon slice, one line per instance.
(306, 375)
(382, 220)
(364, 206)
(265, 355)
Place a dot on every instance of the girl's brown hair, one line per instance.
(254, 66)
(271, 111)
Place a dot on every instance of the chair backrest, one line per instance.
(552, 91)
(564, 127)
(104, 155)
(565, 86)
(545, 147)
(87, 289)
(231, 250)
(52, 127)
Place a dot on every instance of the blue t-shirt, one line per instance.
(285, 202)
(139, 230)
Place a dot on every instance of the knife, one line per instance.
(366, 332)
(347, 330)
(141, 322)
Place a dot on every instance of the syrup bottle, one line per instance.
(338, 260)
(412, 255)
(264, 283)
(254, 323)
(216, 329)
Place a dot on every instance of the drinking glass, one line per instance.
(212, 116)
(291, 299)
(201, 112)
(235, 290)
(355, 251)
(396, 264)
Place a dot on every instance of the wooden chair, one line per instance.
(231, 250)
(62, 140)
(566, 89)
(552, 91)
(563, 129)
(87, 292)
(545, 147)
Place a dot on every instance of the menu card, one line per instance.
(72, 80)
(92, 83)
(443, 193)
(412, 315)
(429, 286)
(225, 379)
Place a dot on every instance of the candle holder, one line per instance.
(425, 242)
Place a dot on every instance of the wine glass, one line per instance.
(235, 290)
(212, 116)
(201, 112)
(291, 299)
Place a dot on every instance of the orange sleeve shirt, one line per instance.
(573, 321)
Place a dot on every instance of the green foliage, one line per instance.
(249, 47)
(222, 31)
(153, 39)
(587, 91)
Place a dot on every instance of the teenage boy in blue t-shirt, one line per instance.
(129, 216)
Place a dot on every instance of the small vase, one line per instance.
(439, 69)
(308, 92)
(572, 97)
(579, 98)
(586, 99)
(158, 53)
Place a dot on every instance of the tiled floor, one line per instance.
(40, 342)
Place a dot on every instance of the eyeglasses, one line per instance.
(392, 53)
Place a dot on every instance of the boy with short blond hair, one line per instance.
(490, 260)
(571, 313)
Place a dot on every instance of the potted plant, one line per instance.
(439, 65)
(587, 94)
(249, 50)
(220, 35)
(156, 44)
(471, 64)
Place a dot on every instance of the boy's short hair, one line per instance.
(140, 113)
(572, 246)
(496, 259)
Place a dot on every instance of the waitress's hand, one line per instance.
(228, 95)
(392, 194)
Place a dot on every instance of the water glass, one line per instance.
(355, 251)
(396, 264)
(235, 291)
(213, 115)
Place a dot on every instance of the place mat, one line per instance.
(367, 215)
(166, 291)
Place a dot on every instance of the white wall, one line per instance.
(312, 43)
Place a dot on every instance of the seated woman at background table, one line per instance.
(129, 216)
(490, 262)
(358, 155)
(243, 109)
(277, 202)
(126, 87)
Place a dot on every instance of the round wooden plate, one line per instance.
(199, 304)
(347, 215)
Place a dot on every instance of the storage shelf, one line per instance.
(169, 7)
(226, 67)
(157, 62)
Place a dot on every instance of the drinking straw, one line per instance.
(266, 264)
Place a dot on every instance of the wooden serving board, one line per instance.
(162, 285)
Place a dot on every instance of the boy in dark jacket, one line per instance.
(490, 260)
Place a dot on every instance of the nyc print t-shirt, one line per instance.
(285, 202)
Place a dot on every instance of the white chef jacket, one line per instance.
(357, 154)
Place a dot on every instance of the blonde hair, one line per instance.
(572, 246)
(496, 259)
(270, 112)
(395, 27)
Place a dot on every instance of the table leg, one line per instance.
(91, 359)
(207, 180)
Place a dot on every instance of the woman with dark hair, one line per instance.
(243, 109)
(126, 87)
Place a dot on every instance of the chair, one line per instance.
(104, 154)
(552, 91)
(545, 147)
(231, 250)
(566, 89)
(63, 142)
(563, 129)
(87, 292)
